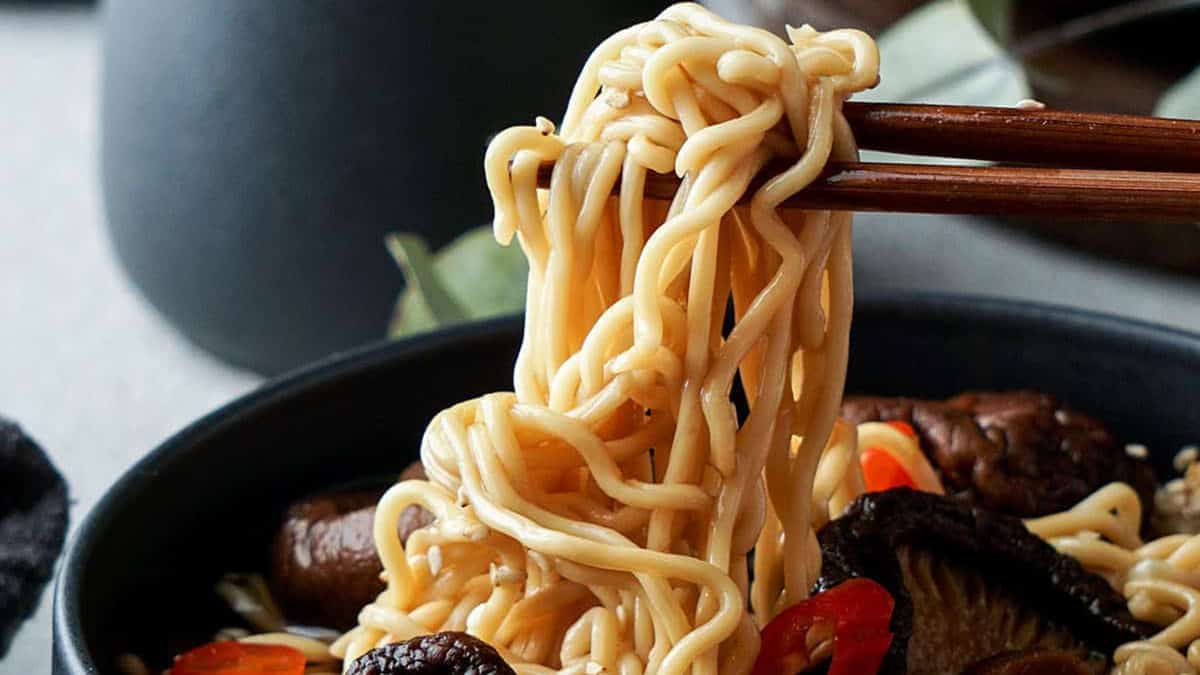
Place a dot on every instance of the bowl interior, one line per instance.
(138, 575)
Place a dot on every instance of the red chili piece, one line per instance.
(904, 428)
(237, 658)
(861, 611)
(882, 472)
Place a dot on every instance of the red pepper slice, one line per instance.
(882, 472)
(903, 427)
(238, 658)
(861, 611)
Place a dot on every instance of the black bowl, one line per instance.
(138, 573)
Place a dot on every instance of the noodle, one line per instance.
(905, 450)
(599, 517)
(1160, 579)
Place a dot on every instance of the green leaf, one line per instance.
(411, 315)
(472, 278)
(995, 16)
(487, 278)
(415, 261)
(1182, 100)
(941, 53)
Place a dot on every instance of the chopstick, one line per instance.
(1074, 194)
(1080, 194)
(1061, 138)
(1069, 140)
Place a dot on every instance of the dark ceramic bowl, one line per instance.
(138, 575)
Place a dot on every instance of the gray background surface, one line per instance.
(89, 369)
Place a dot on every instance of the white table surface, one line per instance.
(96, 376)
(85, 365)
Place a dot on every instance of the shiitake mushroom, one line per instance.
(1024, 453)
(970, 584)
(448, 653)
(324, 566)
(1037, 662)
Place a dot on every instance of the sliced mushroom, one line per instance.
(1037, 662)
(969, 583)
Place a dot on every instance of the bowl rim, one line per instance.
(70, 652)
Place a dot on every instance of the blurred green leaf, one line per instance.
(941, 53)
(995, 16)
(417, 263)
(1181, 100)
(471, 278)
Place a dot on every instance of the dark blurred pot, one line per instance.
(1104, 55)
(1109, 56)
(254, 153)
(872, 16)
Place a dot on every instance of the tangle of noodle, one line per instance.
(1160, 579)
(599, 517)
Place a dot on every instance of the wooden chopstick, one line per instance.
(1072, 194)
(1166, 194)
(1076, 194)
(1059, 138)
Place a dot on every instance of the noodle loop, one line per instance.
(1160, 579)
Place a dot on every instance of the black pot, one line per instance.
(138, 575)
(1108, 56)
(255, 153)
